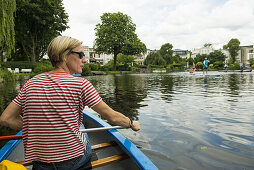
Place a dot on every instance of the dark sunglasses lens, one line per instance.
(81, 55)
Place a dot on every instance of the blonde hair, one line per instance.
(60, 47)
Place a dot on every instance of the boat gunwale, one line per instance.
(141, 160)
(9, 147)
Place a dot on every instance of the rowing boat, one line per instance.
(111, 150)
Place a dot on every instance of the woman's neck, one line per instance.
(60, 69)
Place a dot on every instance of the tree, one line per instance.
(125, 59)
(155, 58)
(200, 58)
(207, 45)
(216, 56)
(190, 60)
(233, 47)
(7, 33)
(36, 24)
(166, 52)
(116, 34)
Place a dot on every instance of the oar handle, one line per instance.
(102, 129)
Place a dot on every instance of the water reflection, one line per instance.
(195, 121)
(8, 91)
(122, 92)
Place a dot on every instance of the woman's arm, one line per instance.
(114, 117)
(11, 117)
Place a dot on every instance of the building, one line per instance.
(182, 53)
(140, 59)
(92, 57)
(247, 53)
(203, 50)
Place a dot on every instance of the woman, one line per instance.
(51, 106)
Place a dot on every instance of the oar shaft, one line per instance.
(102, 129)
(15, 137)
(11, 137)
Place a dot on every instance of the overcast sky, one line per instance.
(186, 24)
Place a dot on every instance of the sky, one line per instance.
(186, 24)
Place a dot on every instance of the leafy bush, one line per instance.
(18, 64)
(40, 68)
(199, 65)
(235, 66)
(86, 71)
(93, 66)
(218, 64)
(123, 67)
(7, 75)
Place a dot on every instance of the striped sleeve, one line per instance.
(18, 100)
(89, 95)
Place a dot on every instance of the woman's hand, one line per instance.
(135, 126)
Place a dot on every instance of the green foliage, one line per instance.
(218, 64)
(166, 52)
(7, 75)
(125, 59)
(109, 66)
(155, 58)
(207, 45)
(175, 67)
(116, 34)
(199, 65)
(252, 66)
(18, 64)
(233, 48)
(216, 56)
(123, 67)
(119, 65)
(94, 66)
(7, 32)
(200, 58)
(190, 60)
(251, 61)
(42, 67)
(235, 66)
(86, 70)
(37, 22)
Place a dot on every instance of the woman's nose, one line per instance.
(84, 59)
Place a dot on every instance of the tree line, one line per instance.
(28, 26)
(165, 57)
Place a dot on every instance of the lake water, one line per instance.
(188, 121)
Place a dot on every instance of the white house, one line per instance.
(203, 50)
(182, 53)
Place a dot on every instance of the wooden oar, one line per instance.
(102, 128)
(16, 137)
(11, 137)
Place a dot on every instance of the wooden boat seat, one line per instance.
(96, 163)
(109, 160)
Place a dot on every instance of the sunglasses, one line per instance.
(81, 54)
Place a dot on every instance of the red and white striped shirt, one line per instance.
(52, 105)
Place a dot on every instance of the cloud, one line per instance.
(186, 24)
